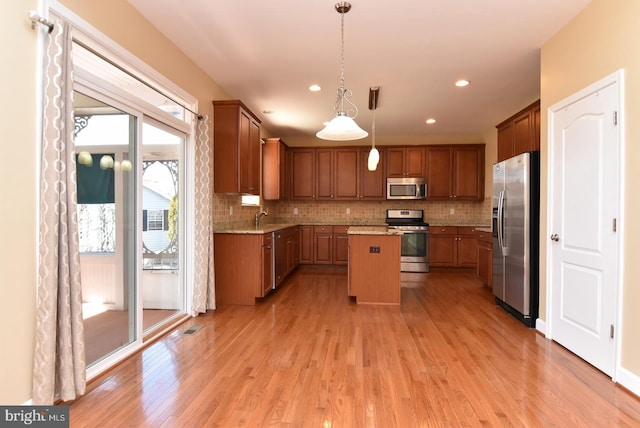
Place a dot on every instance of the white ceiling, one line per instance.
(267, 53)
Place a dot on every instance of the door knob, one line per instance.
(555, 237)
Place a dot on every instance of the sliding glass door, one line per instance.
(105, 139)
(130, 191)
(162, 223)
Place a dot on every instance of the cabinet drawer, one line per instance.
(466, 230)
(267, 239)
(443, 230)
(485, 237)
(322, 229)
(342, 230)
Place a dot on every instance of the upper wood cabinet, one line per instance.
(303, 173)
(520, 133)
(347, 173)
(372, 183)
(340, 173)
(335, 173)
(405, 161)
(236, 148)
(274, 169)
(324, 174)
(455, 172)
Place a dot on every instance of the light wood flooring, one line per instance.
(107, 331)
(308, 356)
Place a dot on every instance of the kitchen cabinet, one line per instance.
(243, 264)
(405, 161)
(274, 169)
(303, 174)
(520, 133)
(286, 252)
(249, 266)
(335, 174)
(267, 283)
(312, 174)
(340, 245)
(324, 175)
(374, 277)
(453, 246)
(484, 269)
(322, 245)
(347, 173)
(455, 172)
(306, 245)
(236, 148)
(372, 183)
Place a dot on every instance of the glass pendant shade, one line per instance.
(342, 128)
(374, 158)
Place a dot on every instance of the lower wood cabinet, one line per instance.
(374, 276)
(484, 269)
(306, 245)
(340, 245)
(245, 262)
(324, 245)
(242, 267)
(286, 252)
(267, 264)
(453, 246)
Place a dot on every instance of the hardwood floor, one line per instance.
(107, 331)
(308, 356)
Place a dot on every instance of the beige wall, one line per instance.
(599, 41)
(18, 196)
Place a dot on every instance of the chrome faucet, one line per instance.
(258, 215)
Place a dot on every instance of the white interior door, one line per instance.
(583, 244)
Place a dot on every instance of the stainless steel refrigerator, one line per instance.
(516, 220)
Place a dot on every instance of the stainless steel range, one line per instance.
(415, 238)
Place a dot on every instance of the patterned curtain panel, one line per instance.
(203, 289)
(59, 369)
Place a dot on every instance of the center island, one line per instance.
(374, 264)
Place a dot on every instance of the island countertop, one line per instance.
(372, 230)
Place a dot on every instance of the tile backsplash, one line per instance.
(227, 210)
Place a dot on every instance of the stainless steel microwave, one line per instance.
(406, 188)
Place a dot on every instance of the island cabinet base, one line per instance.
(374, 269)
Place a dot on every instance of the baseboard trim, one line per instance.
(629, 381)
(541, 326)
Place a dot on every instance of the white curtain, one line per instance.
(203, 289)
(59, 368)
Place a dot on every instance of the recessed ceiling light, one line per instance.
(462, 82)
(315, 88)
(431, 121)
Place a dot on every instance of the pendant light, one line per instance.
(342, 127)
(374, 154)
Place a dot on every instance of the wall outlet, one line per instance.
(295, 211)
(348, 211)
(452, 211)
(374, 250)
(230, 209)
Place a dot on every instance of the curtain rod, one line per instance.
(35, 18)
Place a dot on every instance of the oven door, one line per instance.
(415, 251)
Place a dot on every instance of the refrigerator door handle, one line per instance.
(500, 221)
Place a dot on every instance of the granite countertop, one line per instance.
(372, 230)
(261, 229)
